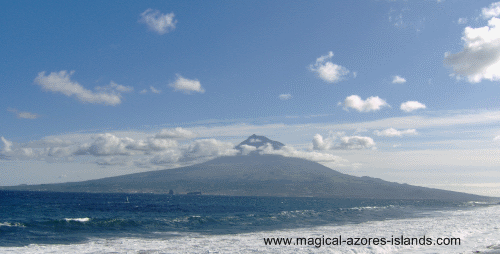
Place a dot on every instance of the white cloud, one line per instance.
(480, 58)
(355, 142)
(158, 22)
(60, 151)
(153, 144)
(14, 151)
(246, 149)
(398, 80)
(346, 142)
(27, 115)
(107, 144)
(327, 70)
(370, 104)
(6, 145)
(497, 138)
(209, 148)
(391, 132)
(320, 144)
(462, 21)
(24, 115)
(166, 157)
(285, 97)
(411, 105)
(177, 133)
(154, 90)
(187, 85)
(492, 11)
(60, 82)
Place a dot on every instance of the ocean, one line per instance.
(45, 222)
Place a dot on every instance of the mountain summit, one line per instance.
(258, 141)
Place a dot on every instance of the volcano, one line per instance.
(255, 174)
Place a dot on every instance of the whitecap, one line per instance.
(7, 224)
(77, 219)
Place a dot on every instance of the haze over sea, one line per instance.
(44, 222)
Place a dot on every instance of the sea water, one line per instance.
(44, 222)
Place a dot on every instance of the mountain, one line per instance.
(258, 141)
(255, 175)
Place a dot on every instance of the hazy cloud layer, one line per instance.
(177, 133)
(187, 86)
(373, 103)
(480, 58)
(391, 132)
(328, 71)
(462, 21)
(60, 82)
(158, 22)
(285, 97)
(113, 87)
(411, 106)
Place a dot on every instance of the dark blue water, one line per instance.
(65, 218)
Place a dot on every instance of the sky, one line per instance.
(405, 91)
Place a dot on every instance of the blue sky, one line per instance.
(406, 91)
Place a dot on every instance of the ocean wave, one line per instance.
(77, 219)
(8, 224)
(368, 207)
(477, 228)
